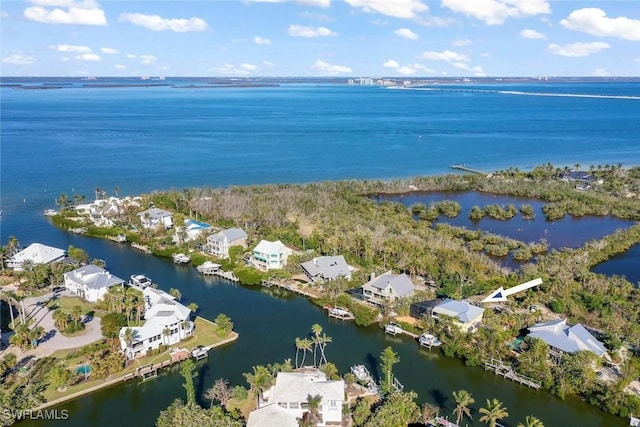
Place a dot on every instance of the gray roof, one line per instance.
(464, 311)
(155, 213)
(567, 338)
(231, 234)
(400, 283)
(327, 267)
(94, 277)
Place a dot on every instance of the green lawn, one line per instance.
(204, 334)
(68, 303)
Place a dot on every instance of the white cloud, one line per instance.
(92, 57)
(71, 48)
(120, 66)
(249, 67)
(86, 12)
(531, 34)
(131, 56)
(406, 33)
(329, 69)
(461, 42)
(445, 55)
(65, 59)
(600, 72)
(158, 23)
(4, 14)
(320, 17)
(109, 50)
(407, 70)
(148, 59)
(391, 64)
(578, 49)
(267, 63)
(302, 31)
(495, 12)
(237, 70)
(261, 40)
(395, 8)
(476, 70)
(594, 21)
(319, 3)
(17, 59)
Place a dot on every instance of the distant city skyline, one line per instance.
(349, 38)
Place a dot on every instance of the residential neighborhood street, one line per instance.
(41, 315)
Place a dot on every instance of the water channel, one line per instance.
(268, 324)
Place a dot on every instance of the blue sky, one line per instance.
(400, 38)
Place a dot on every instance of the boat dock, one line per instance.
(181, 258)
(288, 287)
(143, 248)
(224, 274)
(200, 353)
(502, 369)
(120, 238)
(363, 375)
(80, 230)
(339, 313)
(465, 168)
(397, 330)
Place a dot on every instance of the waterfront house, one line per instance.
(387, 287)
(166, 322)
(286, 402)
(154, 217)
(563, 338)
(35, 254)
(90, 282)
(104, 212)
(466, 316)
(218, 244)
(270, 255)
(326, 268)
(418, 310)
(192, 229)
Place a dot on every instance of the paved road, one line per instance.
(42, 316)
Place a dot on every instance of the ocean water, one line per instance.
(78, 138)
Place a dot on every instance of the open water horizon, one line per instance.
(140, 139)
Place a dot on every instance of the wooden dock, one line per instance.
(288, 287)
(120, 238)
(504, 370)
(339, 313)
(465, 168)
(143, 248)
(221, 273)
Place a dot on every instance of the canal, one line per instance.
(268, 323)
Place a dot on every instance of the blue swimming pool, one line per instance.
(83, 369)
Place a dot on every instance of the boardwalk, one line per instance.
(143, 248)
(221, 273)
(288, 287)
(468, 169)
(502, 369)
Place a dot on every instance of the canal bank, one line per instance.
(269, 321)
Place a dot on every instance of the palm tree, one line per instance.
(298, 346)
(531, 421)
(312, 416)
(166, 332)
(493, 412)
(129, 335)
(463, 400)
(117, 191)
(317, 330)
(305, 345)
(429, 412)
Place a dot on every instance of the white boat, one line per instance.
(208, 267)
(428, 340)
(50, 212)
(140, 281)
(340, 313)
(200, 352)
(392, 329)
(362, 374)
(181, 258)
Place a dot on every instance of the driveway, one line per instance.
(54, 340)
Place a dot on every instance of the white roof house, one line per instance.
(218, 244)
(167, 322)
(90, 282)
(153, 217)
(326, 268)
(565, 338)
(193, 229)
(388, 287)
(270, 255)
(36, 253)
(466, 315)
(286, 401)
